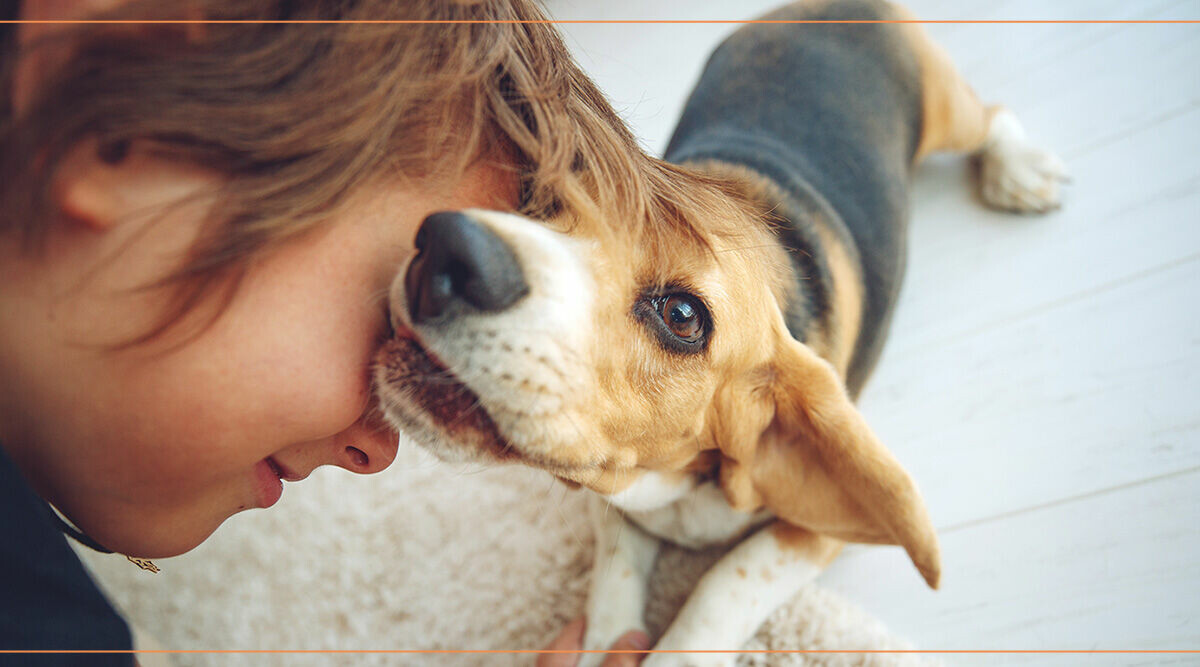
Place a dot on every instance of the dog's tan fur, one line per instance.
(835, 337)
(789, 437)
(767, 417)
(776, 410)
(655, 409)
(813, 547)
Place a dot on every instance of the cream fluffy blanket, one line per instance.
(426, 556)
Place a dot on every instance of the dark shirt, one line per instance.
(47, 599)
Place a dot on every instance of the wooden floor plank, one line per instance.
(993, 53)
(1094, 87)
(1095, 393)
(1111, 571)
(969, 266)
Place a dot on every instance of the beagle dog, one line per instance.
(697, 368)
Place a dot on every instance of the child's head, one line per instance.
(199, 224)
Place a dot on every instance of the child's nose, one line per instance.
(367, 447)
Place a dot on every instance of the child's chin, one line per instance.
(171, 538)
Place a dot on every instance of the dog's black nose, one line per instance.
(459, 258)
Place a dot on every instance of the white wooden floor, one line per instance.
(1042, 382)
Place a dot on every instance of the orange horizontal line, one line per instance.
(580, 651)
(602, 21)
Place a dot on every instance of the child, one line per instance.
(199, 225)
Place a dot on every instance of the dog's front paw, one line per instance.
(1016, 175)
(690, 660)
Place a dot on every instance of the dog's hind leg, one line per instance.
(1015, 175)
(617, 600)
(734, 597)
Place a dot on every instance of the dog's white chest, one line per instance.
(677, 509)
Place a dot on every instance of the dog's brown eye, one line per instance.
(677, 319)
(682, 317)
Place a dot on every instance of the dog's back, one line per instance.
(831, 114)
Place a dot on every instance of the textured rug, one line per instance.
(427, 556)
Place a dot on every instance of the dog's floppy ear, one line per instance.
(818, 465)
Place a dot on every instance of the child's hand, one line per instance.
(571, 639)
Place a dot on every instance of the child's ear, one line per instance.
(98, 187)
(818, 465)
(91, 190)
